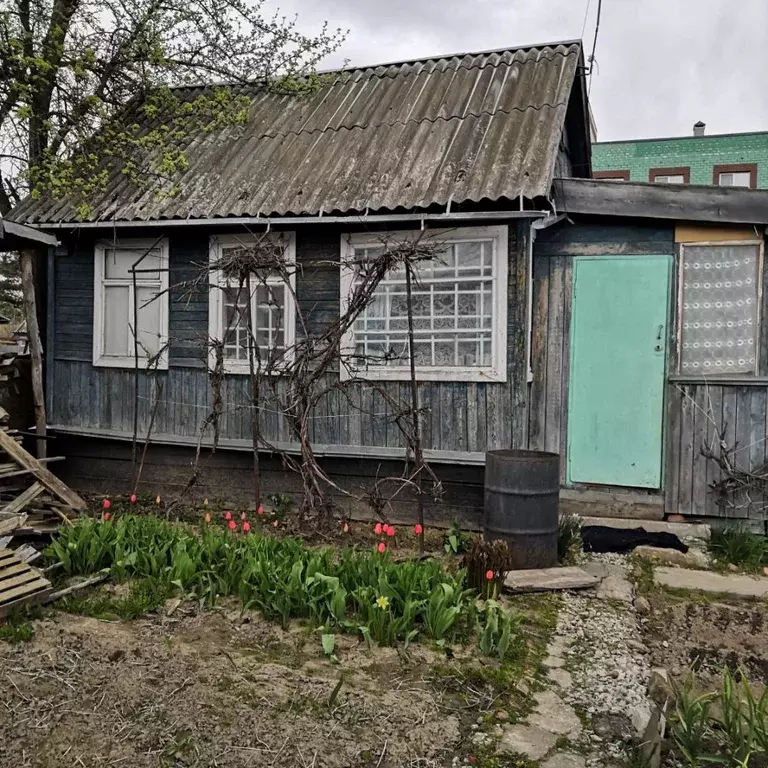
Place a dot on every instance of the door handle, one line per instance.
(660, 333)
(659, 336)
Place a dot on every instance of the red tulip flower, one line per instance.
(382, 547)
(246, 527)
(418, 530)
(489, 575)
(276, 523)
(242, 515)
(260, 510)
(106, 503)
(390, 531)
(106, 516)
(207, 517)
(377, 529)
(231, 525)
(132, 498)
(227, 515)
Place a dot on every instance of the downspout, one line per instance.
(536, 225)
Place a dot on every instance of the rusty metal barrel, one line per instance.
(521, 505)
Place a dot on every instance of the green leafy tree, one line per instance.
(76, 74)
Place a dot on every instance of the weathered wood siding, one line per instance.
(460, 417)
(554, 249)
(699, 414)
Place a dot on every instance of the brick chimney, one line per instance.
(699, 128)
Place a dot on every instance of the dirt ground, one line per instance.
(215, 688)
(691, 632)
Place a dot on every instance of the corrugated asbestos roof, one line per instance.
(410, 135)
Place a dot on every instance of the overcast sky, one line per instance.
(661, 64)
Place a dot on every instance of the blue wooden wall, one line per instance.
(461, 418)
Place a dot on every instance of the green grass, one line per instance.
(16, 629)
(746, 550)
(144, 596)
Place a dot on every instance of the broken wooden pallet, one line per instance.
(20, 583)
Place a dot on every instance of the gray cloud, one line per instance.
(661, 64)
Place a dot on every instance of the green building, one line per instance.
(728, 159)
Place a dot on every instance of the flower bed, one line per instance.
(360, 592)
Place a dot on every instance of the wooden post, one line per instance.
(35, 347)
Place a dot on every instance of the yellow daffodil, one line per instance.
(382, 602)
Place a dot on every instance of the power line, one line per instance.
(586, 14)
(594, 46)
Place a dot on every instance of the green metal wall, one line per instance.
(700, 154)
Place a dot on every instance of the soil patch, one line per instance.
(216, 689)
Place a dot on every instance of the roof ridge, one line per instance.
(373, 67)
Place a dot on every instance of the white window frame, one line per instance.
(758, 310)
(216, 296)
(100, 282)
(497, 371)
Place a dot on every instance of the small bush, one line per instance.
(486, 564)
(742, 548)
(568, 537)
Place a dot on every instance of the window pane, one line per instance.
(149, 332)
(676, 179)
(118, 263)
(235, 322)
(117, 312)
(270, 306)
(719, 314)
(738, 179)
(452, 310)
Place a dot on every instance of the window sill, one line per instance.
(129, 362)
(483, 375)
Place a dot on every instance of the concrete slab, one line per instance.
(565, 760)
(693, 558)
(682, 530)
(615, 588)
(706, 581)
(554, 715)
(528, 741)
(549, 580)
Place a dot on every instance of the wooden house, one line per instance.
(553, 321)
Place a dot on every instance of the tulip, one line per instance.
(246, 527)
(260, 510)
(106, 516)
(227, 515)
(382, 547)
(276, 523)
(132, 498)
(232, 525)
(377, 529)
(418, 530)
(390, 530)
(106, 503)
(489, 575)
(207, 517)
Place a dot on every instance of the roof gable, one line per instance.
(399, 136)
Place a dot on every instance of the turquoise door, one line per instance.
(616, 387)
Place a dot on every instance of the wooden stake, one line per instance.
(35, 347)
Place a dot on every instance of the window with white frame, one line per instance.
(719, 313)
(459, 307)
(270, 311)
(130, 303)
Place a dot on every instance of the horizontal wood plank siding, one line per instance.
(457, 416)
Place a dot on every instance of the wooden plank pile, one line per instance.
(20, 583)
(33, 501)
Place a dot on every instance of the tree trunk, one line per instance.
(35, 347)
